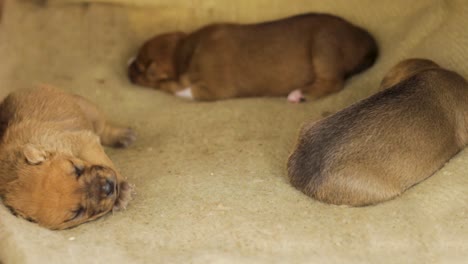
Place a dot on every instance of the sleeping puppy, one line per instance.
(53, 169)
(374, 150)
(306, 55)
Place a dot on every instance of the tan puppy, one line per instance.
(53, 169)
(377, 148)
(309, 54)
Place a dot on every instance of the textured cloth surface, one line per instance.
(211, 177)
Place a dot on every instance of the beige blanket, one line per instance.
(211, 177)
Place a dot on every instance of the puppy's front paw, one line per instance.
(125, 137)
(125, 196)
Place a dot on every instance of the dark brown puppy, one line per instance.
(53, 169)
(377, 148)
(310, 54)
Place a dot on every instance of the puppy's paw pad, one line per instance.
(125, 196)
(125, 138)
(296, 96)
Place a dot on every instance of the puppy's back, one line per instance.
(34, 112)
(277, 56)
(377, 148)
(42, 103)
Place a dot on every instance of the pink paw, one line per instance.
(296, 96)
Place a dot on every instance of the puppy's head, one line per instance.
(154, 63)
(59, 191)
(404, 70)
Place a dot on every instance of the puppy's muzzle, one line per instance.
(103, 184)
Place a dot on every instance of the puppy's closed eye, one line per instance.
(79, 170)
(141, 68)
(77, 213)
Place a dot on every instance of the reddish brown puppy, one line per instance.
(309, 54)
(377, 148)
(53, 169)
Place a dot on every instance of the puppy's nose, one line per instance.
(108, 187)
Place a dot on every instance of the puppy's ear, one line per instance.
(34, 155)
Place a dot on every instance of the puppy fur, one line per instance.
(309, 54)
(377, 148)
(1, 10)
(405, 69)
(53, 169)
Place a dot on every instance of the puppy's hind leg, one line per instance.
(328, 71)
(328, 79)
(296, 96)
(109, 134)
(319, 88)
